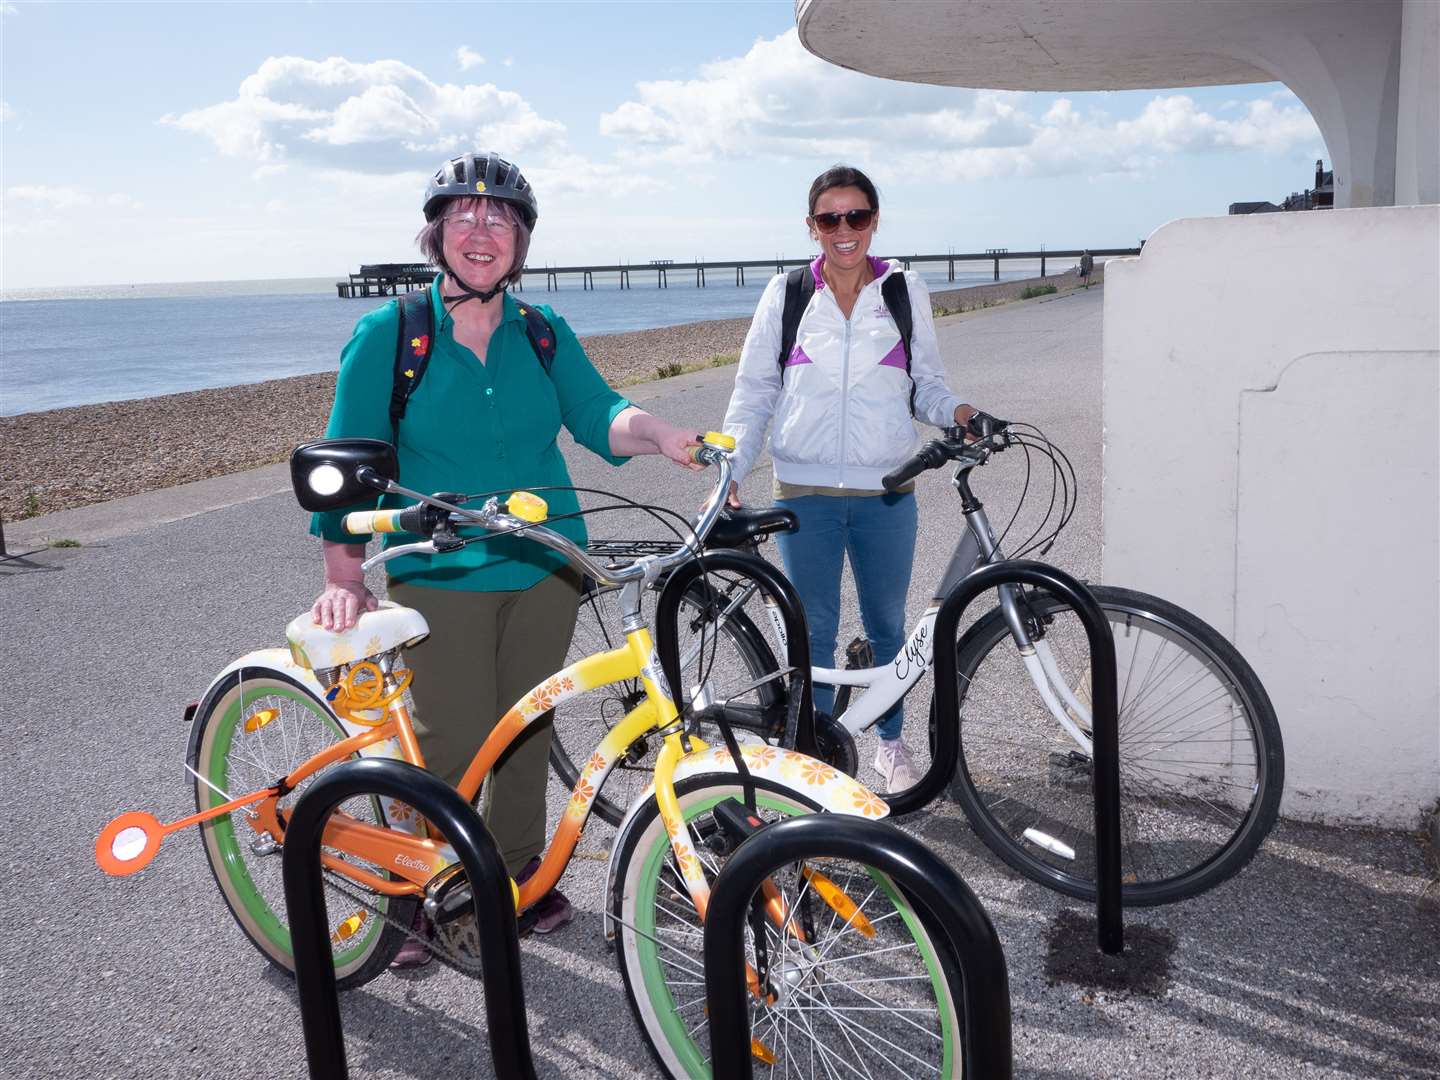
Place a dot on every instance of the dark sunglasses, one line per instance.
(859, 220)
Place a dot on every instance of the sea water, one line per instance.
(80, 346)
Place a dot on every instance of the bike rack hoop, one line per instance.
(929, 882)
(797, 635)
(490, 891)
(1104, 712)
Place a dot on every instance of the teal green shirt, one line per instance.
(472, 427)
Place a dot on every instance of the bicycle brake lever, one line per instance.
(425, 548)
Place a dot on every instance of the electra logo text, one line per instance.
(411, 864)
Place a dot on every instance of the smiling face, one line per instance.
(845, 248)
(478, 253)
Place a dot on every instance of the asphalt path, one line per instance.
(1320, 960)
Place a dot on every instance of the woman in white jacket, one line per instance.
(841, 406)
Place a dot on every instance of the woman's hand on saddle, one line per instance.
(339, 607)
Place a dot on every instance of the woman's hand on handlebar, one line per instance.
(634, 431)
(339, 607)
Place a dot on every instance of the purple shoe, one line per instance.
(414, 953)
(549, 913)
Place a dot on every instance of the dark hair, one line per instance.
(431, 239)
(843, 176)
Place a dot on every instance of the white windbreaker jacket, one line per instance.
(842, 411)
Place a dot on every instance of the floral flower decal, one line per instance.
(419, 345)
(399, 812)
(817, 772)
(690, 868)
(760, 756)
(868, 803)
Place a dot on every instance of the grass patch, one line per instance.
(669, 371)
(31, 508)
(64, 543)
(1032, 291)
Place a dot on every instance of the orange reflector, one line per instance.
(759, 1050)
(349, 928)
(260, 718)
(841, 904)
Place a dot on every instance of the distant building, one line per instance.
(1320, 197)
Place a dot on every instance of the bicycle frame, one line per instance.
(887, 684)
(415, 860)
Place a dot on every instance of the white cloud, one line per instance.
(56, 198)
(468, 58)
(509, 61)
(6, 112)
(380, 117)
(779, 101)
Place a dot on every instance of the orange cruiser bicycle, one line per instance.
(845, 972)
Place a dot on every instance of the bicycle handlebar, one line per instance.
(422, 518)
(982, 427)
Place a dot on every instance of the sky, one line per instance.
(153, 142)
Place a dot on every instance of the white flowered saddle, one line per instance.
(389, 627)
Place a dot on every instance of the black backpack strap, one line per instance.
(541, 335)
(896, 292)
(799, 288)
(412, 352)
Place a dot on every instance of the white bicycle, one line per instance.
(1201, 757)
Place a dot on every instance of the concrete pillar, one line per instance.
(1343, 62)
(1417, 128)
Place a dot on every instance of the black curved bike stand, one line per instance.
(930, 884)
(797, 636)
(1103, 708)
(489, 886)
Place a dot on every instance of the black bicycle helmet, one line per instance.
(481, 173)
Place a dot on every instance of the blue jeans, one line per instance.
(878, 533)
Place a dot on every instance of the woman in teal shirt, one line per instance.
(485, 417)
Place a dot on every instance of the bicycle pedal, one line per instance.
(859, 654)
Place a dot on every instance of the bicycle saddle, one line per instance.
(737, 527)
(379, 631)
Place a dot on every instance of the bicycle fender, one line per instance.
(832, 789)
(275, 664)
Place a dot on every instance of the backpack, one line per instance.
(415, 339)
(800, 287)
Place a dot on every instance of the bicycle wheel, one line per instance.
(250, 736)
(844, 1004)
(1201, 762)
(724, 663)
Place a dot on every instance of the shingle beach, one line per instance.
(65, 458)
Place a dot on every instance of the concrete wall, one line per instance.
(1272, 402)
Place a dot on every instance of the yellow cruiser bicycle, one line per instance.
(845, 973)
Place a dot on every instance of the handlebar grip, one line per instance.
(930, 456)
(373, 521)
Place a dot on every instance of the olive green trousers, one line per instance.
(486, 650)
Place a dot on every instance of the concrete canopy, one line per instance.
(1047, 44)
(1343, 60)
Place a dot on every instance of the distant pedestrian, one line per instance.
(1087, 264)
(842, 402)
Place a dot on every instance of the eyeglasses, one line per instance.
(468, 221)
(859, 220)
